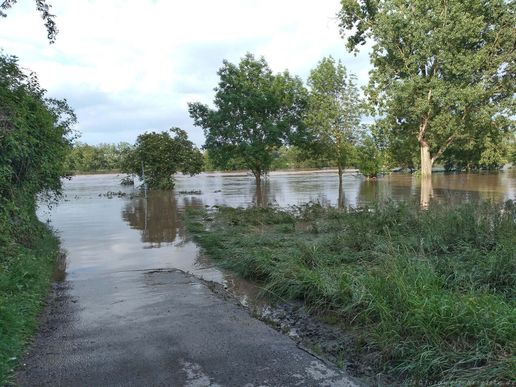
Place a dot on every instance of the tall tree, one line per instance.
(43, 8)
(442, 69)
(334, 112)
(255, 113)
(156, 157)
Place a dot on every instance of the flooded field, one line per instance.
(109, 233)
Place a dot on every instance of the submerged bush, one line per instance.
(434, 289)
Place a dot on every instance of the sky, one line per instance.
(130, 66)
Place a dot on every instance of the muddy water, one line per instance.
(106, 234)
(284, 188)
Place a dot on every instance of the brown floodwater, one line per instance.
(108, 234)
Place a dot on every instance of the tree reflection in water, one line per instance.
(427, 191)
(157, 217)
(262, 195)
(341, 199)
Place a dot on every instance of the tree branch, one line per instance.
(424, 124)
(443, 148)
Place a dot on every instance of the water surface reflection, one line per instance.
(103, 235)
(157, 216)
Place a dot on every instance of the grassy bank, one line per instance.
(433, 291)
(26, 268)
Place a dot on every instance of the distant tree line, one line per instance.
(369, 157)
(96, 158)
(101, 158)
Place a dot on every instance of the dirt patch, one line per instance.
(329, 342)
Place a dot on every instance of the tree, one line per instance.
(44, 9)
(512, 150)
(398, 151)
(443, 69)
(334, 112)
(35, 138)
(255, 113)
(161, 155)
(369, 158)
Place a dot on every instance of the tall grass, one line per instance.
(25, 274)
(434, 290)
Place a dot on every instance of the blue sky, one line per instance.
(128, 66)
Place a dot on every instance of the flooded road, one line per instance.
(106, 233)
(125, 315)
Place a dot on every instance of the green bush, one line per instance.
(35, 139)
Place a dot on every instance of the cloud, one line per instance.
(133, 65)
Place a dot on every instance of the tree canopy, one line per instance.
(334, 113)
(162, 155)
(256, 112)
(443, 70)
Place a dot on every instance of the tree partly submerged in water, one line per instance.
(443, 71)
(256, 112)
(333, 116)
(156, 157)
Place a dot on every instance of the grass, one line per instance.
(25, 275)
(433, 291)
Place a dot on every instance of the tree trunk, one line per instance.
(258, 179)
(340, 203)
(426, 191)
(259, 193)
(426, 160)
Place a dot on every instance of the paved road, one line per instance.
(149, 328)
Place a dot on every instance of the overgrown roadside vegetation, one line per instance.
(24, 283)
(35, 139)
(433, 291)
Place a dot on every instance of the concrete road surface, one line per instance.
(161, 328)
